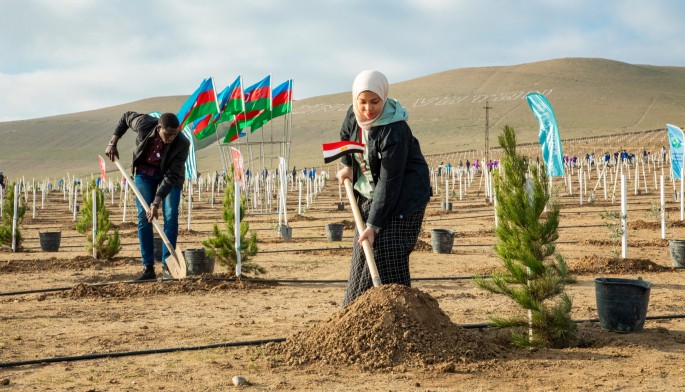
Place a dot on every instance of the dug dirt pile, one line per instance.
(613, 265)
(387, 327)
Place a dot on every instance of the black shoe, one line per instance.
(166, 274)
(148, 273)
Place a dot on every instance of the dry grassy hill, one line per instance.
(589, 96)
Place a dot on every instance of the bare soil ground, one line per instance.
(396, 339)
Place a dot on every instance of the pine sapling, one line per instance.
(8, 216)
(221, 245)
(107, 245)
(534, 274)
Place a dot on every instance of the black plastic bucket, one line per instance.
(50, 240)
(158, 248)
(622, 303)
(442, 240)
(334, 231)
(676, 249)
(197, 262)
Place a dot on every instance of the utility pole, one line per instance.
(487, 133)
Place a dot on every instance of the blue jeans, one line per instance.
(147, 185)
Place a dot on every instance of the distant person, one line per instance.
(392, 189)
(2, 180)
(159, 158)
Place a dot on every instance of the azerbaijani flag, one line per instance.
(282, 101)
(240, 122)
(188, 104)
(257, 101)
(202, 102)
(234, 103)
(281, 104)
(258, 96)
(230, 102)
(202, 127)
(333, 151)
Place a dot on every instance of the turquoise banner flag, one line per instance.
(675, 141)
(191, 163)
(549, 134)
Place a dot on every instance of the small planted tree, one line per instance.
(8, 217)
(107, 245)
(221, 245)
(534, 274)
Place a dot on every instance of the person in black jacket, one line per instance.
(159, 160)
(391, 183)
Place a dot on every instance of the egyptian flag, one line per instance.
(333, 151)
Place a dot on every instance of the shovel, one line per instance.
(177, 266)
(368, 251)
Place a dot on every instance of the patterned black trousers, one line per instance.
(391, 249)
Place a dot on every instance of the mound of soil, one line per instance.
(640, 224)
(613, 265)
(438, 212)
(78, 263)
(477, 233)
(423, 246)
(342, 251)
(297, 218)
(125, 225)
(387, 327)
(128, 290)
(617, 243)
(348, 224)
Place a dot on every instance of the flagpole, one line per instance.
(247, 135)
(289, 117)
(271, 160)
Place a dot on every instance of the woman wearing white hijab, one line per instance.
(391, 183)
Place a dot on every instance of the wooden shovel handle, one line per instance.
(368, 251)
(178, 267)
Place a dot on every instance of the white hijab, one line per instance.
(373, 81)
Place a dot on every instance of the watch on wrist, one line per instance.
(154, 203)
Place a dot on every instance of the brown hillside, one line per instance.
(589, 96)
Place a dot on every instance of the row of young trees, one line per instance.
(221, 245)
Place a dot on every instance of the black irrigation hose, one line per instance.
(230, 344)
(140, 352)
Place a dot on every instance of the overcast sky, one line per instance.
(65, 56)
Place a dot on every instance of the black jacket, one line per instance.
(399, 170)
(174, 155)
